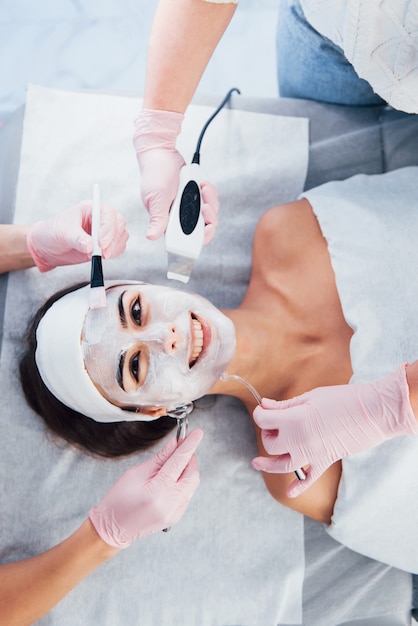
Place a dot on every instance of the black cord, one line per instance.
(196, 156)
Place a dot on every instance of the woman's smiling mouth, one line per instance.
(196, 340)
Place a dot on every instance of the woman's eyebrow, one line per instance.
(119, 372)
(122, 315)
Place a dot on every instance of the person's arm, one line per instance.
(326, 424)
(147, 498)
(184, 35)
(14, 252)
(183, 38)
(32, 587)
(64, 239)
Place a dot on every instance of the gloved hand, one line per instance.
(150, 496)
(65, 239)
(326, 424)
(160, 163)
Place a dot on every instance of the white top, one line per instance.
(371, 225)
(380, 39)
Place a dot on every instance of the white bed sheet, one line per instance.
(349, 585)
(209, 569)
(370, 224)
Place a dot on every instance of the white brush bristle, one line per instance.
(97, 297)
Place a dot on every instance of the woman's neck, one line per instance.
(290, 329)
(279, 359)
(258, 358)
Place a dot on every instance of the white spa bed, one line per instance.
(237, 558)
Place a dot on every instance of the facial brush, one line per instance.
(97, 290)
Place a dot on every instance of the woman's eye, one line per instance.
(136, 311)
(134, 366)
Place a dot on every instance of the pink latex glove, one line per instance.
(65, 239)
(160, 163)
(150, 496)
(326, 424)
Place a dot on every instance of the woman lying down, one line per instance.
(332, 293)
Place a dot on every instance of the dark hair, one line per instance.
(112, 439)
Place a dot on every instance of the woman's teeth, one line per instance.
(197, 341)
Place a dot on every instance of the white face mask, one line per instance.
(156, 345)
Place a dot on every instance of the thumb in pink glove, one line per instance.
(66, 238)
(160, 163)
(150, 496)
(327, 424)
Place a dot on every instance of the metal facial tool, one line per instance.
(181, 414)
(299, 473)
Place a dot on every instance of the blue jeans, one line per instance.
(311, 66)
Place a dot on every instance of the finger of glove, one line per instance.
(85, 210)
(67, 229)
(209, 214)
(59, 243)
(157, 226)
(190, 477)
(210, 218)
(266, 419)
(116, 247)
(134, 478)
(210, 209)
(159, 183)
(209, 232)
(275, 442)
(210, 196)
(73, 226)
(113, 234)
(75, 237)
(164, 454)
(158, 202)
(297, 487)
(187, 485)
(83, 244)
(268, 403)
(179, 512)
(178, 461)
(274, 415)
(277, 465)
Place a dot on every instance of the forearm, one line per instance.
(412, 379)
(184, 35)
(14, 253)
(32, 587)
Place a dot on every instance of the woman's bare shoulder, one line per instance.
(286, 229)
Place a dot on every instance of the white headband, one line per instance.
(60, 361)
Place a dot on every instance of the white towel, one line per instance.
(371, 226)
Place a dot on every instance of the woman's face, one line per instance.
(155, 346)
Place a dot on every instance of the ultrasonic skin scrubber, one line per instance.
(185, 230)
